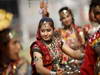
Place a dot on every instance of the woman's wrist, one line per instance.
(53, 73)
(81, 56)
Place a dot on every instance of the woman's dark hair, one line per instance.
(4, 40)
(69, 10)
(92, 6)
(46, 19)
(93, 3)
(4, 37)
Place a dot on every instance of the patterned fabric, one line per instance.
(70, 65)
(95, 38)
(90, 29)
(94, 42)
(52, 53)
(20, 67)
(91, 61)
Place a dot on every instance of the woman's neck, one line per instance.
(47, 41)
(68, 27)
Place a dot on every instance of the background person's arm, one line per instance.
(73, 53)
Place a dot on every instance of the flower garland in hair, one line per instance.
(5, 19)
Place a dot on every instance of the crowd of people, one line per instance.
(69, 50)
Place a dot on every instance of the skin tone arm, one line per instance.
(39, 65)
(73, 53)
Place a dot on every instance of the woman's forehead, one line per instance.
(46, 25)
(14, 41)
(64, 13)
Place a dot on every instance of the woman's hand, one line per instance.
(60, 72)
(78, 54)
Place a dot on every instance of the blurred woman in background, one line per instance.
(73, 35)
(91, 63)
(10, 61)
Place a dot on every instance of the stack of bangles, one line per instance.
(53, 73)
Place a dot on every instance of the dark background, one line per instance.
(10, 5)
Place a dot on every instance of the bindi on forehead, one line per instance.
(46, 25)
(64, 12)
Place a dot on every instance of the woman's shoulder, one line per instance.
(35, 46)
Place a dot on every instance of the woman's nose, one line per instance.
(18, 45)
(45, 33)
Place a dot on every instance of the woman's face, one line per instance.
(97, 13)
(13, 49)
(66, 18)
(91, 16)
(98, 17)
(46, 31)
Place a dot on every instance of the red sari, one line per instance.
(90, 59)
(47, 57)
(89, 62)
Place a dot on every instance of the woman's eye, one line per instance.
(48, 30)
(62, 18)
(42, 30)
(16, 41)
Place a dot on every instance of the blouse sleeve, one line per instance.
(36, 49)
